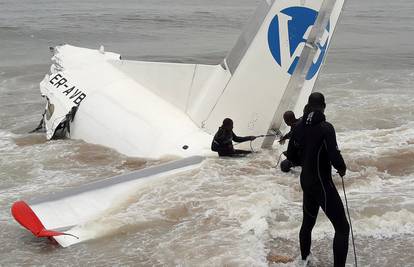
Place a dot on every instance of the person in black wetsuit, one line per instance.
(291, 121)
(223, 140)
(313, 146)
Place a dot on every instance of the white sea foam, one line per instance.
(389, 224)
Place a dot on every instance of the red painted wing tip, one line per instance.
(24, 215)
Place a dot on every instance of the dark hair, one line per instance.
(289, 117)
(316, 100)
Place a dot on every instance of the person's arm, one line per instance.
(240, 139)
(288, 135)
(332, 147)
(285, 137)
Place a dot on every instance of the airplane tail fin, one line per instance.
(273, 66)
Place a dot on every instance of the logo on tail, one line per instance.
(287, 36)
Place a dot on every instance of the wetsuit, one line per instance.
(223, 143)
(286, 164)
(313, 146)
(289, 134)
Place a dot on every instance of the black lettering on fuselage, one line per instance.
(79, 99)
(70, 91)
(77, 92)
(67, 91)
(60, 82)
(57, 76)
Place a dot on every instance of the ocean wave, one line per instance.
(387, 225)
(387, 150)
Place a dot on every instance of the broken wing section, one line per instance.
(62, 92)
(74, 215)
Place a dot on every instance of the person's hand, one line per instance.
(342, 172)
(252, 138)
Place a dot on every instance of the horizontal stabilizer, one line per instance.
(176, 83)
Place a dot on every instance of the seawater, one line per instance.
(231, 212)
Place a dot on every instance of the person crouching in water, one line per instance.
(223, 140)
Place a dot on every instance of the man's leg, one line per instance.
(336, 214)
(310, 213)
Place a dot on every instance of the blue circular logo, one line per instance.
(287, 32)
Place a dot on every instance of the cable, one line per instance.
(320, 178)
(259, 136)
(280, 156)
(265, 135)
(251, 146)
(350, 223)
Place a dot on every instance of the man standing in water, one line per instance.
(223, 140)
(313, 146)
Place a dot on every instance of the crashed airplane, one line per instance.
(152, 109)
